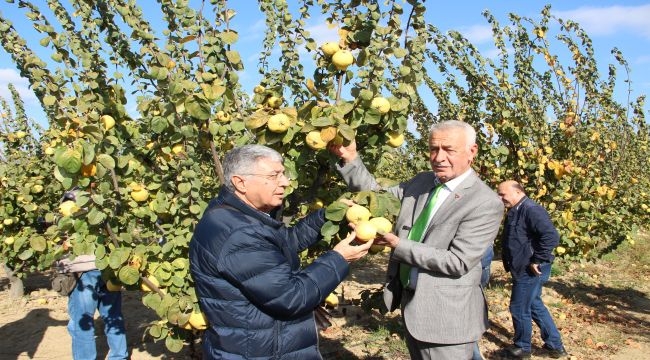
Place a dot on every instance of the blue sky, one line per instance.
(622, 24)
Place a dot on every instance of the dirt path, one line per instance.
(602, 310)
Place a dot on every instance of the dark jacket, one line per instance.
(529, 237)
(258, 301)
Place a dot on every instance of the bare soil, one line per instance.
(602, 309)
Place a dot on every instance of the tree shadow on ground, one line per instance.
(33, 327)
(367, 335)
(627, 308)
(137, 318)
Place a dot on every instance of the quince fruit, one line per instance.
(68, 208)
(178, 149)
(395, 139)
(274, 102)
(278, 123)
(107, 121)
(111, 286)
(342, 59)
(332, 300)
(382, 224)
(381, 104)
(222, 116)
(365, 230)
(330, 48)
(357, 213)
(197, 321)
(314, 140)
(139, 193)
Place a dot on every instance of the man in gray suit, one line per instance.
(434, 272)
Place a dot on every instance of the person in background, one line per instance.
(447, 220)
(528, 240)
(258, 300)
(89, 295)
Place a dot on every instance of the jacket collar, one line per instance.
(227, 198)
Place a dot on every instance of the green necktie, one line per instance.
(417, 231)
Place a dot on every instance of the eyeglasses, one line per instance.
(275, 176)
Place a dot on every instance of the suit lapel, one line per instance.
(450, 202)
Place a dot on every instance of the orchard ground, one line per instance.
(602, 309)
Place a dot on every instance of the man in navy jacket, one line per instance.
(258, 300)
(528, 240)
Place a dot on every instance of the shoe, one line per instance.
(516, 353)
(556, 353)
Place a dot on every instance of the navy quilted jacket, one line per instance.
(257, 299)
(528, 237)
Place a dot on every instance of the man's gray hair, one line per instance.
(470, 133)
(243, 160)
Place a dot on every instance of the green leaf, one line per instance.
(229, 37)
(180, 263)
(128, 275)
(118, 257)
(106, 160)
(372, 117)
(399, 52)
(233, 57)
(323, 121)
(336, 211)
(173, 345)
(88, 153)
(49, 100)
(184, 188)
(158, 124)
(38, 243)
(237, 126)
(197, 107)
(70, 161)
(95, 216)
(100, 252)
(329, 229)
(101, 263)
(155, 331)
(45, 41)
(366, 94)
(256, 120)
(26, 254)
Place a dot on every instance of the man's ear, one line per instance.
(473, 150)
(239, 183)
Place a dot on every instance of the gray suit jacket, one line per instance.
(448, 305)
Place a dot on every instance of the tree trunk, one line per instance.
(16, 288)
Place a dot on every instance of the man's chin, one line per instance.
(441, 175)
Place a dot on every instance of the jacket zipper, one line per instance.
(276, 332)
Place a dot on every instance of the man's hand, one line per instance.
(388, 239)
(534, 268)
(346, 153)
(351, 252)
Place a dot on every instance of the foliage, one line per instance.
(145, 178)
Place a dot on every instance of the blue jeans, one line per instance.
(526, 306)
(90, 295)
